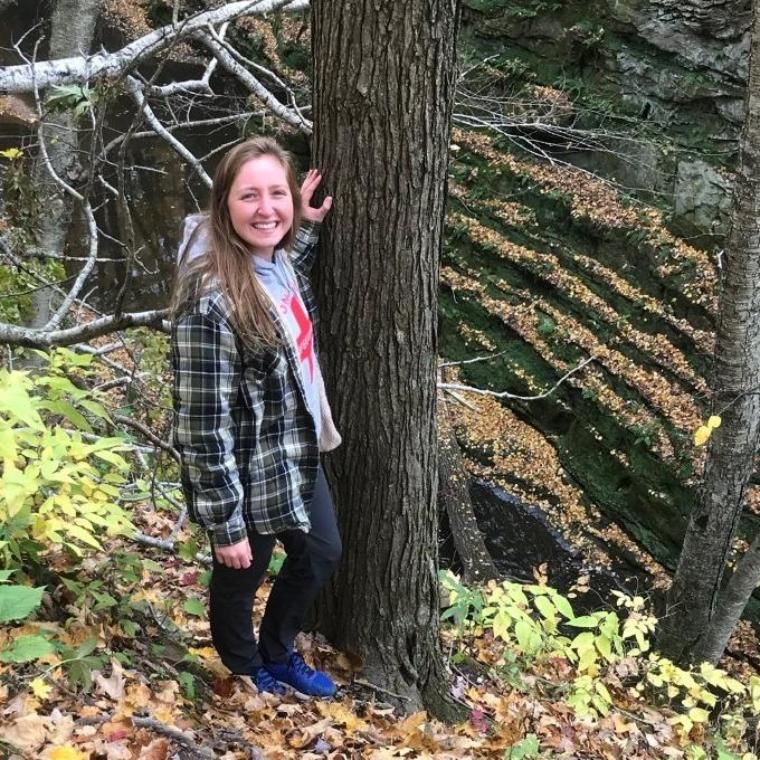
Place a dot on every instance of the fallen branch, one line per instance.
(80, 69)
(189, 741)
(30, 337)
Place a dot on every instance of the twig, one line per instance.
(379, 689)
(136, 90)
(289, 115)
(148, 433)
(442, 365)
(170, 732)
(506, 394)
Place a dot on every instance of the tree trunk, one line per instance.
(477, 565)
(733, 599)
(72, 29)
(691, 624)
(383, 91)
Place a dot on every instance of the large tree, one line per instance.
(383, 91)
(702, 610)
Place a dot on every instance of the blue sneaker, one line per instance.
(264, 681)
(296, 673)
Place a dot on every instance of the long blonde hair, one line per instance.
(226, 264)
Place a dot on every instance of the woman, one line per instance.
(250, 410)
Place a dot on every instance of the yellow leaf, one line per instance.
(40, 688)
(701, 435)
(11, 153)
(66, 752)
(698, 715)
(714, 422)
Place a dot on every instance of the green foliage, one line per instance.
(17, 602)
(524, 749)
(537, 623)
(79, 662)
(194, 606)
(71, 97)
(21, 204)
(27, 649)
(56, 489)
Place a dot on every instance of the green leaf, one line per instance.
(545, 607)
(16, 602)
(564, 606)
(67, 410)
(5, 574)
(86, 648)
(527, 748)
(194, 606)
(523, 632)
(584, 621)
(15, 400)
(93, 407)
(187, 682)
(26, 649)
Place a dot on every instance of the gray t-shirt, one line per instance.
(282, 287)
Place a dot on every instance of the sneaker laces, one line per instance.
(300, 667)
(265, 681)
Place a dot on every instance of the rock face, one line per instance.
(677, 65)
(702, 195)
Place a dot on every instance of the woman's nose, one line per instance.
(265, 205)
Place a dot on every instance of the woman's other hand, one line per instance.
(308, 187)
(237, 556)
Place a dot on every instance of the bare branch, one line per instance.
(220, 120)
(506, 394)
(148, 433)
(442, 365)
(291, 116)
(136, 90)
(78, 69)
(37, 338)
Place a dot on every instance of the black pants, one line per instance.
(311, 559)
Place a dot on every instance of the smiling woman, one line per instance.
(261, 204)
(250, 411)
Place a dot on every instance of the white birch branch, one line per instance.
(80, 69)
(39, 338)
(288, 115)
(136, 90)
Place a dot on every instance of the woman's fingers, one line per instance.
(236, 556)
(310, 184)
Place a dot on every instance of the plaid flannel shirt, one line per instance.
(241, 425)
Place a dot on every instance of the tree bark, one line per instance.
(72, 30)
(383, 91)
(693, 617)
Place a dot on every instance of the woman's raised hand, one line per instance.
(308, 187)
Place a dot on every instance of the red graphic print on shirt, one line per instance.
(305, 338)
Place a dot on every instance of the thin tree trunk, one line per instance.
(383, 90)
(733, 599)
(691, 625)
(454, 497)
(72, 30)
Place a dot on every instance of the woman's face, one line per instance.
(261, 205)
